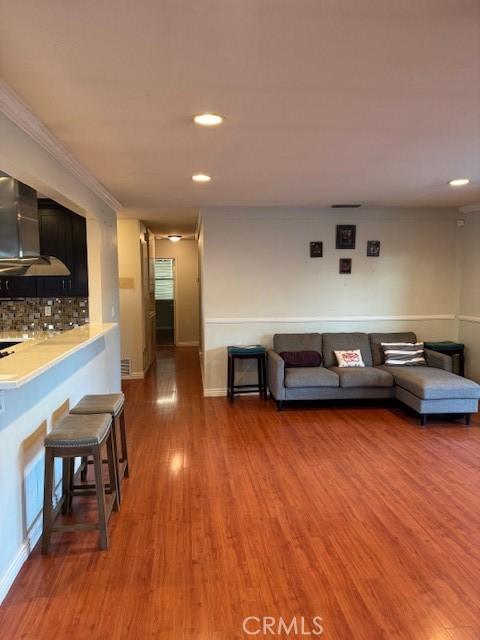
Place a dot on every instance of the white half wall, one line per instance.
(29, 413)
(258, 278)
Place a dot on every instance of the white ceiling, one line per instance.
(373, 101)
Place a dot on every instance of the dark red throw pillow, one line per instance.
(301, 358)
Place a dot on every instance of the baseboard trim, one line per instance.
(217, 393)
(134, 375)
(193, 343)
(302, 319)
(475, 319)
(214, 393)
(21, 557)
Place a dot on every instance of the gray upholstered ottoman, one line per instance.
(428, 390)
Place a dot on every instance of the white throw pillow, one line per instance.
(349, 358)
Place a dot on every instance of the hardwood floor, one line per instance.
(351, 513)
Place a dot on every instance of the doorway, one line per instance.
(165, 301)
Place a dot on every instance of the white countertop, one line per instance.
(39, 351)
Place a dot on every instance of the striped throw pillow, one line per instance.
(404, 354)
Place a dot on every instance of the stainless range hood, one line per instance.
(19, 233)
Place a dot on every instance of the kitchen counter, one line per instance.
(39, 351)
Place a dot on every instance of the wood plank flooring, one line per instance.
(351, 513)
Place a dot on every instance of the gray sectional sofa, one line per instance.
(431, 389)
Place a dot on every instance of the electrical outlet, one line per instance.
(48, 311)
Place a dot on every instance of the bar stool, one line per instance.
(254, 352)
(72, 437)
(114, 404)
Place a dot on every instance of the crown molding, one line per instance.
(316, 319)
(18, 112)
(470, 208)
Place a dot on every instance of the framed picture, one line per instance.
(373, 248)
(345, 236)
(345, 265)
(316, 249)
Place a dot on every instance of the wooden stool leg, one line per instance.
(123, 436)
(71, 473)
(232, 379)
(259, 376)
(116, 456)
(229, 370)
(100, 490)
(83, 473)
(47, 500)
(112, 457)
(65, 485)
(265, 381)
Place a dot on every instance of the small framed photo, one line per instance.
(345, 238)
(373, 248)
(345, 265)
(316, 249)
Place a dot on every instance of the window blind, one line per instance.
(164, 279)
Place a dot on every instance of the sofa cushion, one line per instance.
(363, 377)
(429, 383)
(301, 358)
(297, 342)
(345, 341)
(310, 377)
(376, 340)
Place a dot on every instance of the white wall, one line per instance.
(132, 326)
(187, 320)
(96, 369)
(469, 313)
(259, 278)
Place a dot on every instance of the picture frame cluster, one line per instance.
(345, 239)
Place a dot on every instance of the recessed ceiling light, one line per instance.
(208, 119)
(174, 237)
(201, 177)
(459, 182)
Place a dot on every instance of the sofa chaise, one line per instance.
(431, 389)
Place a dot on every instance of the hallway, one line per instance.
(338, 512)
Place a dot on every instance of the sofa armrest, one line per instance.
(438, 360)
(276, 375)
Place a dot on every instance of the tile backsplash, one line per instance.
(28, 314)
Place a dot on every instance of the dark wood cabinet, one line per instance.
(55, 240)
(63, 234)
(17, 287)
(79, 256)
